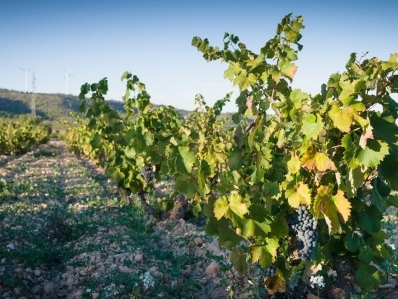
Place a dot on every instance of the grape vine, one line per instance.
(312, 173)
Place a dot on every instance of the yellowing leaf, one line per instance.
(342, 120)
(275, 284)
(293, 164)
(343, 117)
(343, 205)
(313, 160)
(300, 194)
(366, 134)
(334, 209)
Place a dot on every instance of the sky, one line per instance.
(91, 40)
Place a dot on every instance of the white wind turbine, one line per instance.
(26, 77)
(66, 78)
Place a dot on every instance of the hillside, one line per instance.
(51, 107)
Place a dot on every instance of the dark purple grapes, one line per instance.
(147, 173)
(304, 225)
(270, 271)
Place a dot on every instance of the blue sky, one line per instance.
(152, 39)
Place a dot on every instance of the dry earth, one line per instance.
(105, 260)
(96, 247)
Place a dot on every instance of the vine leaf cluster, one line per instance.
(331, 152)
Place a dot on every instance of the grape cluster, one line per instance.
(270, 271)
(147, 173)
(304, 225)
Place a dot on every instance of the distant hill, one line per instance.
(52, 107)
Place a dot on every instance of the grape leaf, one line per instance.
(317, 161)
(324, 205)
(366, 134)
(275, 284)
(373, 153)
(188, 157)
(352, 242)
(238, 258)
(260, 254)
(342, 120)
(312, 125)
(300, 194)
(367, 276)
(343, 205)
(230, 206)
(293, 164)
(350, 151)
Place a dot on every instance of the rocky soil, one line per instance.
(64, 233)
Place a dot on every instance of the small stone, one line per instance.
(48, 288)
(70, 281)
(120, 257)
(95, 295)
(125, 269)
(198, 241)
(113, 267)
(37, 272)
(139, 257)
(35, 289)
(212, 268)
(3, 260)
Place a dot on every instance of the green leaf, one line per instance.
(370, 219)
(186, 185)
(230, 206)
(279, 227)
(366, 255)
(350, 151)
(95, 141)
(367, 276)
(238, 258)
(260, 254)
(227, 237)
(300, 194)
(188, 157)
(379, 194)
(352, 242)
(197, 209)
(288, 69)
(312, 126)
(373, 153)
(245, 80)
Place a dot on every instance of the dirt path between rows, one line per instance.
(64, 233)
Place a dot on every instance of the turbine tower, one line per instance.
(26, 77)
(66, 78)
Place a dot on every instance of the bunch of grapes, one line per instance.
(304, 225)
(147, 173)
(270, 271)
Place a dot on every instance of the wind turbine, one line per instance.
(26, 77)
(66, 78)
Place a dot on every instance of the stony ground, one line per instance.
(64, 233)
